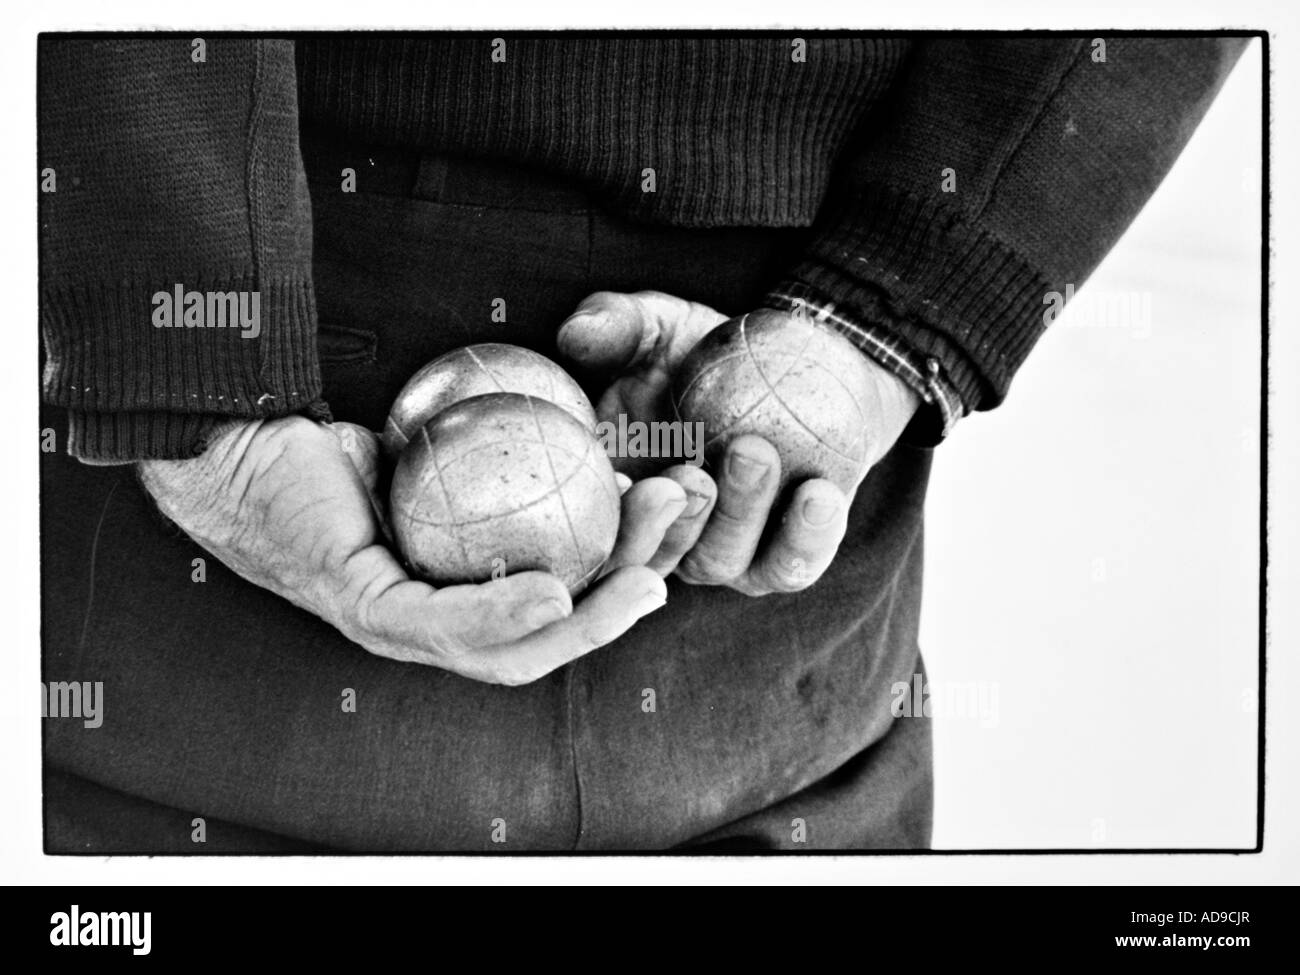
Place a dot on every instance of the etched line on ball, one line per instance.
(507, 440)
(485, 370)
(555, 476)
(578, 469)
(607, 486)
(604, 482)
(555, 395)
(446, 494)
(863, 420)
(589, 574)
(797, 419)
(679, 397)
(862, 412)
(391, 427)
(758, 366)
(759, 369)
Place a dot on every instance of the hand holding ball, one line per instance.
(795, 382)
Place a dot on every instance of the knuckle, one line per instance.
(792, 573)
(600, 632)
(747, 587)
(399, 654)
(705, 566)
(734, 517)
(359, 613)
(512, 676)
(650, 295)
(355, 621)
(609, 301)
(444, 645)
(476, 633)
(684, 573)
(784, 581)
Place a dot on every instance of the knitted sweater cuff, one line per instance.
(947, 289)
(123, 438)
(137, 389)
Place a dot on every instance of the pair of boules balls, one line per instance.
(498, 470)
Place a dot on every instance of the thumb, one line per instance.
(617, 332)
(362, 449)
(608, 332)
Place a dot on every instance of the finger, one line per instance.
(408, 620)
(747, 487)
(804, 544)
(615, 332)
(362, 449)
(604, 614)
(649, 508)
(684, 532)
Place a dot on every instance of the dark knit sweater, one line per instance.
(952, 184)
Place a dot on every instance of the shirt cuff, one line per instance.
(942, 405)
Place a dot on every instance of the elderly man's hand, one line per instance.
(290, 505)
(736, 532)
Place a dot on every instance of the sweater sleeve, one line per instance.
(169, 171)
(1003, 170)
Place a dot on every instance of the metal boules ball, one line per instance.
(474, 370)
(792, 380)
(504, 483)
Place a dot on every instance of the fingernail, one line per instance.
(577, 318)
(648, 603)
(745, 472)
(818, 511)
(696, 502)
(546, 613)
(670, 509)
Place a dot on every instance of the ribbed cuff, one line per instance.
(121, 438)
(136, 389)
(951, 291)
(124, 437)
(104, 354)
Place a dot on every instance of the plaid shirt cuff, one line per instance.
(923, 374)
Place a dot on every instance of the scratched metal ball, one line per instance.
(793, 381)
(504, 483)
(472, 371)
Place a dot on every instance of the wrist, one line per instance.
(937, 404)
(898, 398)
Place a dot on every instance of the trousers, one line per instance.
(223, 729)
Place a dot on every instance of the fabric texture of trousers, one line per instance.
(772, 727)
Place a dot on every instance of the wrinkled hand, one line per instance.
(290, 505)
(641, 339)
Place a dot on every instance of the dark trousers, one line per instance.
(772, 727)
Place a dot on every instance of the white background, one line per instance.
(1118, 700)
(1092, 546)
